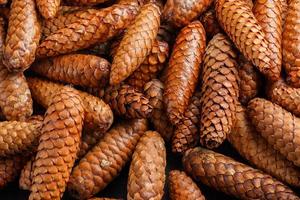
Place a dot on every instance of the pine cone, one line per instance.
(48, 8)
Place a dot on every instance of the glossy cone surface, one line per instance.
(104, 162)
(279, 127)
(238, 21)
(58, 145)
(48, 8)
(182, 187)
(254, 148)
(147, 169)
(219, 92)
(232, 177)
(136, 43)
(183, 70)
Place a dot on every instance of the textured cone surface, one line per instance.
(181, 13)
(151, 66)
(219, 92)
(25, 177)
(77, 69)
(147, 169)
(98, 27)
(269, 15)
(58, 145)
(2, 36)
(286, 96)
(98, 115)
(48, 8)
(278, 126)
(232, 177)
(128, 102)
(18, 137)
(23, 35)
(88, 2)
(250, 81)
(254, 148)
(238, 21)
(183, 187)
(210, 23)
(291, 42)
(136, 43)
(183, 70)
(154, 92)
(107, 158)
(186, 134)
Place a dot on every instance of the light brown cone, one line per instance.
(25, 177)
(48, 8)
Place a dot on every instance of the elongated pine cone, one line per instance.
(181, 13)
(183, 70)
(186, 134)
(147, 169)
(77, 69)
(128, 102)
(104, 162)
(154, 92)
(210, 23)
(254, 148)
(48, 8)
(183, 187)
(219, 92)
(238, 21)
(136, 43)
(278, 126)
(58, 146)
(232, 177)
(23, 35)
(25, 177)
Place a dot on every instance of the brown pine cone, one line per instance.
(247, 34)
(97, 27)
(182, 187)
(254, 148)
(77, 69)
(250, 81)
(278, 126)
(87, 2)
(219, 92)
(58, 146)
(104, 162)
(183, 70)
(2, 36)
(186, 134)
(154, 92)
(48, 8)
(136, 44)
(128, 102)
(181, 13)
(25, 177)
(23, 35)
(232, 177)
(291, 42)
(210, 23)
(147, 169)
(284, 8)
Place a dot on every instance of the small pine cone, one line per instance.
(247, 34)
(136, 44)
(210, 23)
(77, 69)
(181, 13)
(147, 169)
(18, 137)
(128, 102)
(186, 134)
(219, 92)
(151, 66)
(183, 70)
(95, 28)
(167, 33)
(291, 42)
(154, 92)
(232, 177)
(255, 149)
(23, 35)
(182, 187)
(48, 8)
(25, 177)
(104, 162)
(250, 81)
(278, 126)
(58, 146)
